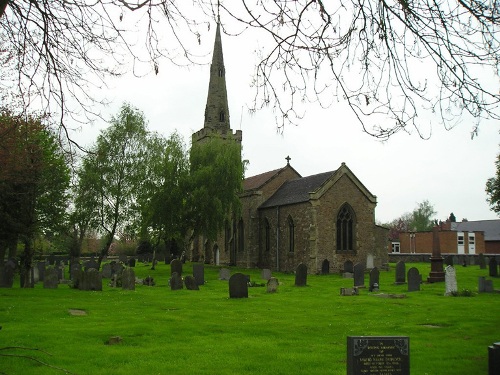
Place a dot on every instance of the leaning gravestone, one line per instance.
(265, 274)
(238, 286)
(374, 279)
(224, 274)
(176, 266)
(272, 285)
(348, 266)
(482, 261)
(414, 280)
(301, 275)
(493, 267)
(175, 281)
(128, 279)
(198, 274)
(51, 280)
(325, 267)
(359, 275)
(378, 355)
(191, 283)
(450, 278)
(400, 272)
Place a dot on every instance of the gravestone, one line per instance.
(41, 270)
(51, 280)
(176, 266)
(90, 280)
(378, 355)
(75, 270)
(493, 267)
(191, 283)
(325, 267)
(448, 260)
(224, 274)
(198, 274)
(9, 269)
(494, 359)
(91, 264)
(106, 271)
(175, 281)
(60, 270)
(482, 261)
(272, 285)
(348, 266)
(374, 279)
(238, 286)
(128, 279)
(349, 291)
(455, 260)
(450, 278)
(149, 281)
(35, 276)
(414, 280)
(131, 262)
(265, 274)
(301, 275)
(369, 261)
(359, 275)
(116, 268)
(400, 273)
(485, 286)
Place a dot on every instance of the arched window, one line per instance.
(222, 116)
(241, 236)
(267, 235)
(345, 229)
(291, 235)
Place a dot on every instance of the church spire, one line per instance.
(217, 108)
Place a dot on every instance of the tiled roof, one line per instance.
(491, 228)
(297, 190)
(256, 182)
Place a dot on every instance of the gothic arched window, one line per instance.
(291, 235)
(222, 116)
(346, 224)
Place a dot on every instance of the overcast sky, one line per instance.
(449, 170)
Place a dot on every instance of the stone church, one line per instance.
(321, 220)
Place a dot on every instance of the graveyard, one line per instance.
(297, 327)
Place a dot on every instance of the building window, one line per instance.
(291, 235)
(472, 239)
(267, 235)
(241, 236)
(222, 116)
(460, 239)
(396, 247)
(221, 72)
(345, 229)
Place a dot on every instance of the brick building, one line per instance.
(286, 219)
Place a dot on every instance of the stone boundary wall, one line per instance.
(425, 258)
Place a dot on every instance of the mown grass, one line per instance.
(294, 331)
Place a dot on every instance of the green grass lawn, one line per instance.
(294, 331)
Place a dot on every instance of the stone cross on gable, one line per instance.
(288, 158)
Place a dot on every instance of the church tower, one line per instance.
(217, 108)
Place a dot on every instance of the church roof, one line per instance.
(255, 182)
(297, 190)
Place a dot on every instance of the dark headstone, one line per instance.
(414, 280)
(116, 268)
(175, 281)
(131, 262)
(198, 274)
(74, 270)
(149, 281)
(176, 266)
(191, 283)
(301, 275)
(359, 275)
(106, 271)
(325, 267)
(448, 260)
(348, 266)
(41, 270)
(437, 272)
(374, 279)
(89, 280)
(400, 272)
(456, 260)
(265, 274)
(51, 280)
(494, 359)
(485, 286)
(7, 278)
(272, 285)
(238, 286)
(493, 267)
(91, 264)
(482, 261)
(378, 355)
(224, 274)
(128, 279)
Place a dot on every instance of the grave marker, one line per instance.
(128, 279)
(359, 275)
(238, 286)
(374, 279)
(493, 267)
(265, 274)
(348, 266)
(272, 285)
(400, 272)
(175, 281)
(198, 274)
(224, 274)
(450, 279)
(176, 267)
(191, 283)
(51, 279)
(325, 267)
(414, 280)
(301, 275)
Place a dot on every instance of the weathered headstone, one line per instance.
(301, 275)
(175, 281)
(485, 286)
(224, 274)
(493, 267)
(91, 264)
(51, 280)
(116, 268)
(414, 280)
(450, 278)
(400, 272)
(265, 274)
(359, 275)
(176, 266)
(482, 261)
(455, 260)
(41, 270)
(128, 279)
(106, 271)
(348, 266)
(378, 355)
(238, 286)
(370, 261)
(90, 280)
(325, 267)
(349, 291)
(75, 270)
(198, 273)
(494, 359)
(35, 276)
(374, 279)
(9, 269)
(191, 283)
(272, 285)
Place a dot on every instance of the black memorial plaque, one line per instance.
(380, 355)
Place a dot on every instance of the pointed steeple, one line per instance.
(217, 108)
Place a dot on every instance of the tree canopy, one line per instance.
(396, 64)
